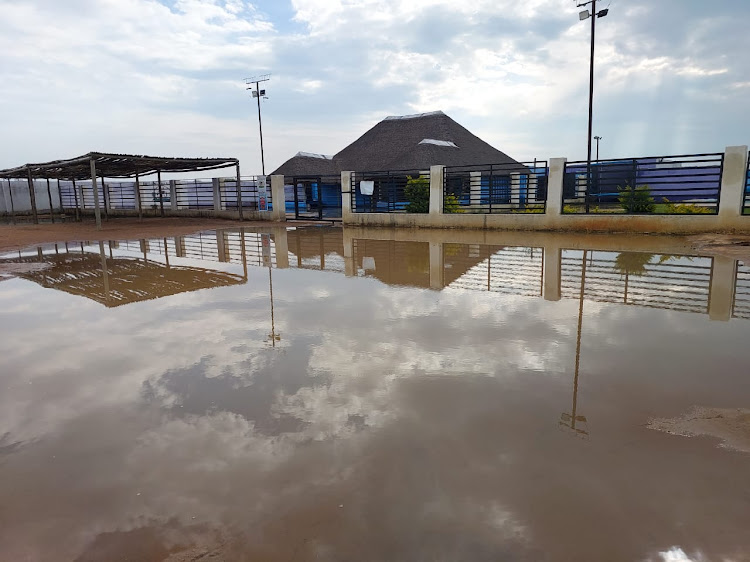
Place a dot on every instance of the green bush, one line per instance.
(417, 192)
(684, 208)
(451, 205)
(637, 199)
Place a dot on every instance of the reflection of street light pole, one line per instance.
(273, 335)
(569, 420)
(594, 15)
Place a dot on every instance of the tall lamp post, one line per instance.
(594, 15)
(597, 138)
(257, 94)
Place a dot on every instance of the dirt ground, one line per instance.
(735, 246)
(18, 236)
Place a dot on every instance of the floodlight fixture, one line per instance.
(602, 13)
(584, 15)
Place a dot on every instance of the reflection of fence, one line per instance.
(741, 305)
(516, 271)
(496, 188)
(651, 280)
(384, 192)
(693, 181)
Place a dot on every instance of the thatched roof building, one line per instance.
(409, 142)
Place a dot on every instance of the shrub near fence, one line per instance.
(388, 194)
(687, 184)
(496, 188)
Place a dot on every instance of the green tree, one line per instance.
(417, 192)
(636, 199)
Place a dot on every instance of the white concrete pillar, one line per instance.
(436, 265)
(515, 190)
(555, 186)
(173, 195)
(723, 283)
(733, 182)
(217, 194)
(97, 211)
(346, 196)
(475, 189)
(437, 186)
(552, 272)
(278, 199)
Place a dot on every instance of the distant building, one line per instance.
(408, 142)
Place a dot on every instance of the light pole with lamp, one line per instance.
(257, 94)
(594, 15)
(597, 138)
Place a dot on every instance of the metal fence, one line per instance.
(509, 270)
(496, 188)
(386, 192)
(196, 194)
(679, 283)
(686, 184)
(741, 304)
(248, 196)
(746, 200)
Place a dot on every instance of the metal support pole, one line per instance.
(591, 102)
(138, 196)
(75, 199)
(95, 188)
(12, 207)
(106, 200)
(260, 128)
(49, 196)
(161, 195)
(32, 196)
(59, 196)
(239, 191)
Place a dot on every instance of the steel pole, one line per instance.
(260, 128)
(591, 102)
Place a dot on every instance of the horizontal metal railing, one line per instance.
(679, 283)
(741, 304)
(685, 184)
(195, 194)
(248, 196)
(496, 188)
(389, 192)
(509, 270)
(121, 195)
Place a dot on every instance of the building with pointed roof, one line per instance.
(408, 142)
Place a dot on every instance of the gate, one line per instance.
(313, 198)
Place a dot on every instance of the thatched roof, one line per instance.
(114, 166)
(409, 142)
(305, 163)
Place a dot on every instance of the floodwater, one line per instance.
(314, 394)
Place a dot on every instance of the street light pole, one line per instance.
(594, 15)
(258, 93)
(597, 138)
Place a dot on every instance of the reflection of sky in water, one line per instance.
(430, 416)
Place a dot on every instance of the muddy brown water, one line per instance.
(329, 394)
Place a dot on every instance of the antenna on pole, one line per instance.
(257, 94)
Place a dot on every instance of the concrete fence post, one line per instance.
(346, 196)
(281, 245)
(552, 268)
(733, 184)
(278, 198)
(555, 186)
(217, 195)
(350, 269)
(173, 195)
(437, 173)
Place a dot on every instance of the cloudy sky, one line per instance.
(166, 77)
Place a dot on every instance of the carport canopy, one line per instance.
(103, 165)
(114, 166)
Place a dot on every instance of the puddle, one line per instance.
(329, 394)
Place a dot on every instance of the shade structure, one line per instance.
(114, 166)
